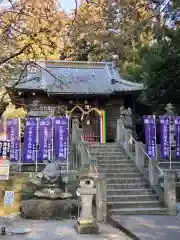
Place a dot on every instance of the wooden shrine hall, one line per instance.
(83, 88)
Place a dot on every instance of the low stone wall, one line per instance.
(22, 189)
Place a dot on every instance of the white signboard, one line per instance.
(4, 171)
(9, 198)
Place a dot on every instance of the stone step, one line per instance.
(111, 162)
(139, 211)
(126, 175)
(143, 197)
(134, 204)
(116, 166)
(119, 170)
(126, 180)
(104, 146)
(110, 158)
(107, 154)
(137, 191)
(119, 186)
(105, 151)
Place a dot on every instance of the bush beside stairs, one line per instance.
(128, 192)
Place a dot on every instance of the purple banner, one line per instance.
(13, 134)
(165, 136)
(61, 133)
(150, 136)
(45, 139)
(30, 140)
(177, 135)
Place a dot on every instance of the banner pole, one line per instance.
(52, 139)
(170, 142)
(37, 127)
(68, 146)
(156, 150)
(20, 150)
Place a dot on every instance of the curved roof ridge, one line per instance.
(69, 62)
(126, 82)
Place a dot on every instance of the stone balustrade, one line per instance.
(136, 151)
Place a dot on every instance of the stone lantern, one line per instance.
(86, 223)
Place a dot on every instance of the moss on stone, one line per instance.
(18, 184)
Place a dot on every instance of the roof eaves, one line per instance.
(17, 83)
(79, 93)
(128, 83)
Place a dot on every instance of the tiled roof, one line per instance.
(67, 77)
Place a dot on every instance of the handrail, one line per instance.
(82, 154)
(160, 170)
(140, 156)
(144, 152)
(134, 140)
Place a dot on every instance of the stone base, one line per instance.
(54, 193)
(49, 209)
(86, 228)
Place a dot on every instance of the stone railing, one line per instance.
(81, 159)
(149, 168)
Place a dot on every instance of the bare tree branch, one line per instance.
(6, 59)
(15, 84)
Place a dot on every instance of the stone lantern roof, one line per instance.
(90, 172)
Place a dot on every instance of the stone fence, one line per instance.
(149, 168)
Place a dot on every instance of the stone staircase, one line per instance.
(128, 192)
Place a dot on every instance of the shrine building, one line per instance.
(80, 87)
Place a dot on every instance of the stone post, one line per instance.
(75, 123)
(101, 199)
(84, 156)
(92, 160)
(128, 140)
(170, 111)
(120, 132)
(152, 172)
(139, 155)
(79, 134)
(170, 192)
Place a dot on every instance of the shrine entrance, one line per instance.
(91, 120)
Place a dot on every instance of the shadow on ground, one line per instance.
(151, 227)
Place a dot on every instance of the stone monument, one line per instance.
(60, 110)
(38, 111)
(50, 183)
(86, 223)
(51, 197)
(126, 117)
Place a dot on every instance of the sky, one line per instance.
(67, 5)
